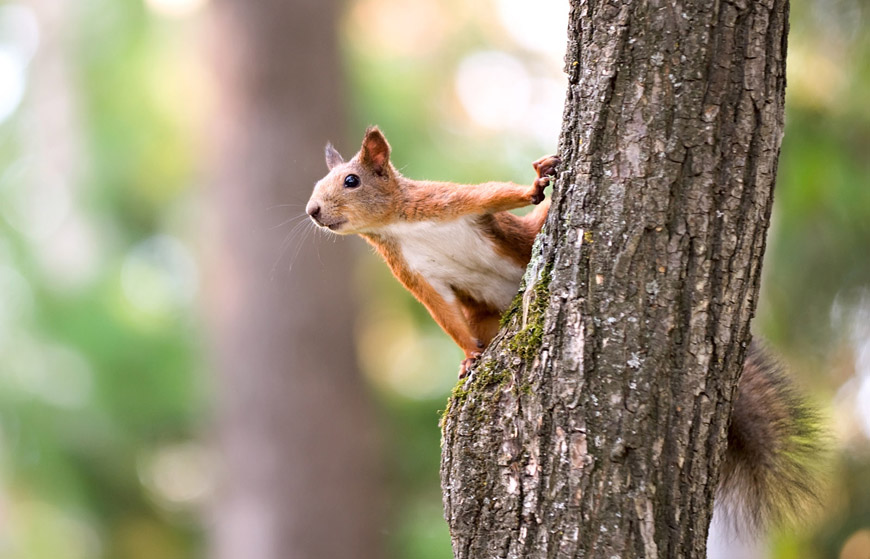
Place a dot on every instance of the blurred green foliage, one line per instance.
(79, 473)
(103, 397)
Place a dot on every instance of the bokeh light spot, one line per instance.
(175, 8)
(494, 88)
(179, 475)
(19, 38)
(12, 77)
(19, 30)
(539, 27)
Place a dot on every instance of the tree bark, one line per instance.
(594, 424)
(295, 428)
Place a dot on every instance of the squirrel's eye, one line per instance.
(351, 181)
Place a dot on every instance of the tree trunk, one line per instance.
(594, 425)
(295, 429)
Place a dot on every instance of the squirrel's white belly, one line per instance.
(456, 254)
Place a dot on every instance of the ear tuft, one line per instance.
(333, 158)
(375, 152)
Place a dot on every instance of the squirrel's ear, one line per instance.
(375, 150)
(333, 158)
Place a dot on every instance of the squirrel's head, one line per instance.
(357, 195)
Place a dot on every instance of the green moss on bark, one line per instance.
(483, 376)
(527, 342)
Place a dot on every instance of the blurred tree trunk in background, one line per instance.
(595, 424)
(296, 431)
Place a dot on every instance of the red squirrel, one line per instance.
(463, 255)
(455, 247)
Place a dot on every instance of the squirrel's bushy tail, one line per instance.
(770, 473)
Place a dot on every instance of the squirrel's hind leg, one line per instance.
(482, 321)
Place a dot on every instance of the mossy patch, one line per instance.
(527, 341)
(515, 307)
(483, 376)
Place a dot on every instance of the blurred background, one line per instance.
(188, 369)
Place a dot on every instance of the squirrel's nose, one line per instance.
(313, 209)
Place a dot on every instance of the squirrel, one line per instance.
(462, 254)
(455, 247)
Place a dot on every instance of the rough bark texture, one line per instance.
(295, 429)
(594, 424)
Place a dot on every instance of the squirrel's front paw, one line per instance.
(536, 196)
(546, 166)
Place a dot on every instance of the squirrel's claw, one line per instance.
(546, 166)
(467, 363)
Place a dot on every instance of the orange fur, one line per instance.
(421, 229)
(428, 200)
(448, 317)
